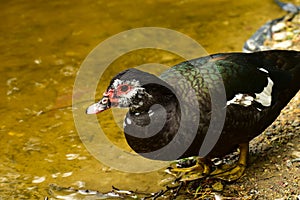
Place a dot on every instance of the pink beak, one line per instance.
(97, 108)
(102, 105)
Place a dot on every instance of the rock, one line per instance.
(283, 45)
(278, 27)
(279, 36)
(296, 154)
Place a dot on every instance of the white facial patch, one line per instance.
(116, 83)
(134, 83)
(125, 99)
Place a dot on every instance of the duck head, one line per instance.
(131, 89)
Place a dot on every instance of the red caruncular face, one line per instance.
(119, 92)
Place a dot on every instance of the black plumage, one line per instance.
(189, 96)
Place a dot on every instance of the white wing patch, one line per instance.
(241, 99)
(263, 70)
(264, 97)
(128, 121)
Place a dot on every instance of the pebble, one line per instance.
(283, 45)
(253, 192)
(295, 160)
(278, 27)
(289, 163)
(279, 36)
(55, 175)
(72, 156)
(37, 61)
(80, 184)
(296, 123)
(38, 179)
(290, 144)
(296, 154)
(66, 174)
(218, 197)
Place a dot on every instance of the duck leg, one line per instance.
(237, 171)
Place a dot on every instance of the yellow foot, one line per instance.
(199, 170)
(228, 173)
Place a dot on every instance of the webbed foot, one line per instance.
(232, 173)
(199, 170)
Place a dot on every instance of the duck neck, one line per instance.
(153, 125)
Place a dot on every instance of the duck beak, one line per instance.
(100, 106)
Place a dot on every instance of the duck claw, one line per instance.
(197, 171)
(231, 174)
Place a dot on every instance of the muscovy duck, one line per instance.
(248, 90)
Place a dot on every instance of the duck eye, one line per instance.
(124, 88)
(104, 100)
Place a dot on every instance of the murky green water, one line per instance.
(42, 45)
